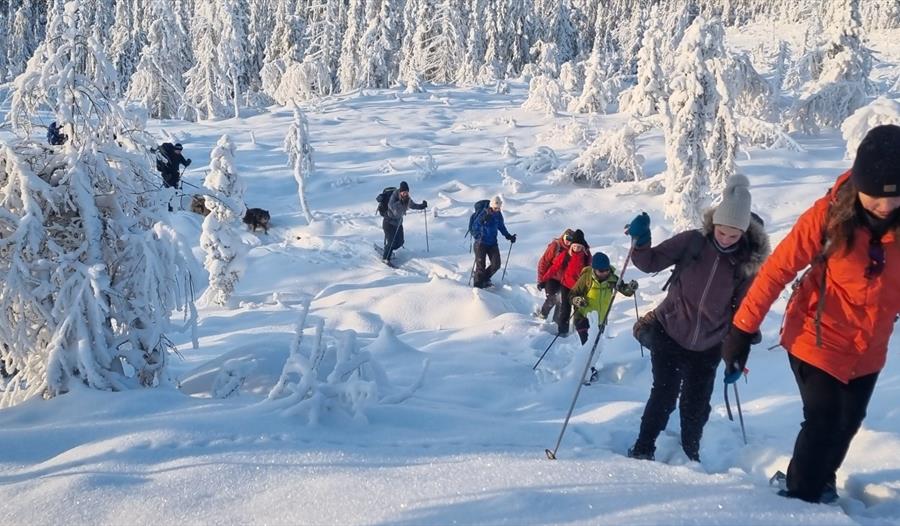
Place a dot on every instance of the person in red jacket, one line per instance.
(552, 287)
(566, 268)
(841, 315)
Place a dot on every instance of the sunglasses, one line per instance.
(876, 259)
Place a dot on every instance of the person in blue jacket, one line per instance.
(484, 229)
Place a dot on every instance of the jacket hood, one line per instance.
(757, 248)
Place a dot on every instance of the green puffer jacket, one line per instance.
(597, 293)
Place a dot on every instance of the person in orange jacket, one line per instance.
(841, 315)
(552, 287)
(566, 268)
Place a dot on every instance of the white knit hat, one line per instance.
(734, 210)
(496, 202)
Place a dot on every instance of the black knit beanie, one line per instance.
(876, 170)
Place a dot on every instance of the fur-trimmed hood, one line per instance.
(756, 242)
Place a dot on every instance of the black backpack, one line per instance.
(383, 199)
(479, 206)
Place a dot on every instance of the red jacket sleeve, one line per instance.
(546, 260)
(793, 254)
(554, 267)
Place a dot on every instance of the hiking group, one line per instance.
(724, 280)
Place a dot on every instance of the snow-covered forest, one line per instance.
(152, 354)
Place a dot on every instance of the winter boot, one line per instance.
(640, 454)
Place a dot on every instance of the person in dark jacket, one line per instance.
(55, 136)
(392, 224)
(552, 287)
(169, 161)
(842, 312)
(714, 266)
(484, 231)
(566, 268)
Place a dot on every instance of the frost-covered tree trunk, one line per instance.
(89, 272)
(157, 83)
(299, 151)
(220, 237)
(230, 32)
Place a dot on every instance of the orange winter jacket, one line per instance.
(858, 314)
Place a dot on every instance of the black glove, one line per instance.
(187, 162)
(633, 285)
(424, 203)
(735, 351)
(541, 285)
(512, 238)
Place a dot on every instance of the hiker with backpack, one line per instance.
(55, 136)
(841, 314)
(168, 162)
(484, 227)
(392, 209)
(552, 287)
(714, 266)
(566, 269)
(593, 292)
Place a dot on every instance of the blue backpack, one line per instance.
(479, 206)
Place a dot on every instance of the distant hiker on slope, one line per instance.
(841, 315)
(55, 135)
(484, 230)
(566, 268)
(593, 292)
(552, 286)
(713, 268)
(169, 161)
(392, 224)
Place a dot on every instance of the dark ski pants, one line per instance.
(564, 311)
(482, 254)
(393, 237)
(689, 377)
(832, 414)
(551, 292)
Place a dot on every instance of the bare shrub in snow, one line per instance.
(611, 158)
(765, 134)
(509, 149)
(332, 374)
(299, 151)
(543, 160)
(89, 272)
(220, 238)
(881, 111)
(425, 165)
(512, 185)
(231, 377)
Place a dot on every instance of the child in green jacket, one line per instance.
(593, 292)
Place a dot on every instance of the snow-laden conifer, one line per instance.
(545, 95)
(89, 272)
(881, 111)
(220, 237)
(379, 47)
(611, 158)
(650, 92)
(21, 39)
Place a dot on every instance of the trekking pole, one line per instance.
(587, 365)
(737, 400)
(393, 239)
(508, 252)
(545, 352)
(637, 315)
(425, 213)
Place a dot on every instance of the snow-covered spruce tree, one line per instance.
(476, 43)
(495, 53)
(780, 64)
(545, 95)
(283, 48)
(558, 27)
(696, 128)
(4, 45)
(127, 38)
(89, 272)
(157, 83)
(519, 34)
(348, 64)
(21, 39)
(220, 237)
(260, 22)
(751, 94)
(546, 58)
(299, 152)
(843, 84)
(650, 92)
(378, 48)
(611, 158)
(594, 95)
(446, 50)
(214, 81)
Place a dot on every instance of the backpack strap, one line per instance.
(690, 254)
(821, 259)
